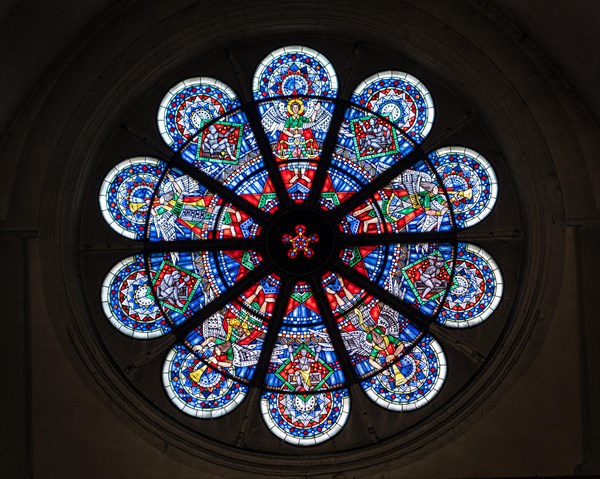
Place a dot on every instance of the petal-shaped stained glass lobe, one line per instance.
(413, 381)
(229, 341)
(375, 336)
(478, 287)
(183, 209)
(294, 70)
(305, 420)
(470, 182)
(413, 202)
(418, 274)
(296, 128)
(196, 389)
(126, 193)
(128, 300)
(303, 359)
(366, 146)
(401, 98)
(185, 282)
(190, 105)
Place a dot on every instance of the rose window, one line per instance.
(299, 245)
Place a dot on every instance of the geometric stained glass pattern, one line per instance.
(412, 381)
(470, 182)
(478, 288)
(196, 389)
(126, 192)
(294, 70)
(306, 420)
(399, 97)
(128, 300)
(304, 257)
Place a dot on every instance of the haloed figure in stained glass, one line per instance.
(296, 141)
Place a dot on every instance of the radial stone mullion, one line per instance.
(272, 333)
(325, 159)
(266, 151)
(378, 292)
(219, 302)
(333, 330)
(225, 244)
(218, 188)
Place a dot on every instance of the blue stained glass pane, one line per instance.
(227, 151)
(478, 290)
(470, 182)
(375, 336)
(419, 377)
(294, 70)
(366, 146)
(401, 98)
(129, 303)
(199, 393)
(418, 274)
(126, 193)
(341, 293)
(305, 420)
(423, 275)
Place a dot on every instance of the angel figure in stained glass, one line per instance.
(182, 207)
(414, 196)
(229, 343)
(378, 340)
(297, 125)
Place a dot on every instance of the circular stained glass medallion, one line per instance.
(303, 251)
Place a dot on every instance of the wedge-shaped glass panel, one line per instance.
(183, 209)
(185, 282)
(413, 202)
(366, 146)
(376, 336)
(419, 274)
(229, 341)
(296, 128)
(303, 358)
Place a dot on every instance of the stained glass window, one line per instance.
(300, 244)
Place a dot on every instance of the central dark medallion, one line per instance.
(300, 241)
(300, 244)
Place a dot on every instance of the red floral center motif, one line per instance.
(300, 243)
